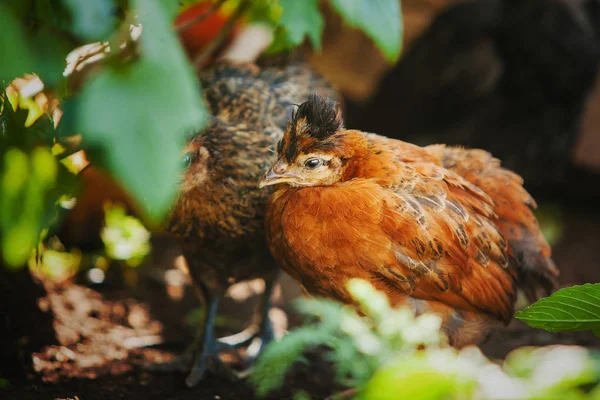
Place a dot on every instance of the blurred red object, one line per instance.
(196, 36)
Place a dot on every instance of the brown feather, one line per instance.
(446, 226)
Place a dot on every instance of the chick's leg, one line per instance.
(208, 358)
(207, 346)
(204, 349)
(265, 331)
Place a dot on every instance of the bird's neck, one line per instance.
(367, 159)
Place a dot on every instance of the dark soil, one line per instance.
(99, 334)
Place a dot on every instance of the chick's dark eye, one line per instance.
(186, 161)
(312, 163)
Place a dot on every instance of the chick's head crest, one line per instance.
(307, 151)
(312, 123)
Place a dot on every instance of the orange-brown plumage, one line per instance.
(437, 228)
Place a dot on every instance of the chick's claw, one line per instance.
(208, 359)
(204, 352)
(254, 336)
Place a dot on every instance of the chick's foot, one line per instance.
(203, 354)
(265, 332)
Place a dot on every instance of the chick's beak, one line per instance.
(277, 174)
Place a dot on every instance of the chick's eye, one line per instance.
(186, 161)
(312, 163)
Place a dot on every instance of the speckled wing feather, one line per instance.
(261, 95)
(512, 205)
(445, 243)
(514, 208)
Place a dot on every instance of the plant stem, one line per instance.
(344, 394)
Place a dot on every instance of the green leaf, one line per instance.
(125, 237)
(173, 7)
(415, 378)
(302, 18)
(141, 148)
(43, 37)
(270, 369)
(527, 362)
(27, 198)
(91, 19)
(139, 115)
(302, 395)
(570, 309)
(16, 56)
(31, 180)
(381, 20)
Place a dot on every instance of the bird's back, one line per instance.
(513, 206)
(263, 94)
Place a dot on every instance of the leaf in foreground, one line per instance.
(301, 18)
(270, 369)
(139, 115)
(16, 56)
(381, 20)
(575, 308)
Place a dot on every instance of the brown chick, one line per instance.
(436, 228)
(219, 215)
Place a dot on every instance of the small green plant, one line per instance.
(576, 308)
(390, 354)
(125, 237)
(32, 180)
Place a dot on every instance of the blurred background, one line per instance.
(514, 77)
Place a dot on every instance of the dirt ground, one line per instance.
(101, 331)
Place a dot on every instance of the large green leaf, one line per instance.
(570, 309)
(36, 38)
(302, 18)
(381, 20)
(139, 115)
(16, 56)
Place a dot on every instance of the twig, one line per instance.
(214, 45)
(216, 5)
(345, 394)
